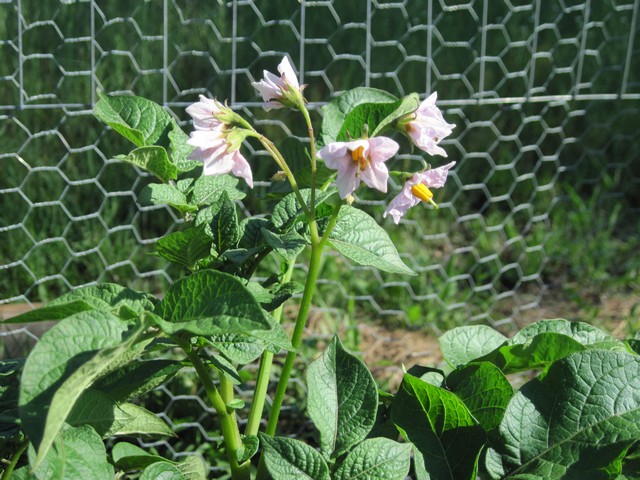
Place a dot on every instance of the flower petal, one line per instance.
(241, 168)
(288, 75)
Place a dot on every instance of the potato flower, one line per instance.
(217, 139)
(283, 91)
(359, 160)
(427, 127)
(416, 190)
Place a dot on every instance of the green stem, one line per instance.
(312, 139)
(14, 459)
(228, 423)
(262, 383)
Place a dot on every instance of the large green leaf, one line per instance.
(140, 120)
(342, 399)
(441, 427)
(153, 159)
(376, 459)
(358, 237)
(291, 459)
(336, 111)
(45, 406)
(484, 390)
(462, 345)
(185, 248)
(576, 422)
(122, 301)
(288, 245)
(78, 453)
(210, 302)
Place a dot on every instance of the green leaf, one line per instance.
(240, 349)
(137, 378)
(249, 448)
(153, 159)
(272, 299)
(376, 459)
(162, 471)
(484, 390)
(288, 211)
(225, 368)
(10, 371)
(180, 149)
(576, 422)
(140, 120)
(59, 353)
(358, 237)
(462, 345)
(224, 226)
(67, 393)
(538, 352)
(117, 299)
(185, 248)
(288, 246)
(336, 111)
(209, 302)
(373, 118)
(290, 459)
(342, 399)
(193, 467)
(407, 105)
(440, 426)
(252, 232)
(110, 418)
(209, 190)
(77, 453)
(165, 194)
(579, 331)
(131, 457)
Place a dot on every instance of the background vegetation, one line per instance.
(544, 199)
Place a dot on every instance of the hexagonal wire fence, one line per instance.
(538, 90)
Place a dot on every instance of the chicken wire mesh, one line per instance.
(542, 92)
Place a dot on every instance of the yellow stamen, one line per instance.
(357, 156)
(421, 191)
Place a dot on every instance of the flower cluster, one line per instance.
(219, 133)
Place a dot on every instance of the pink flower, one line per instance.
(206, 113)
(280, 92)
(428, 127)
(359, 160)
(416, 190)
(219, 155)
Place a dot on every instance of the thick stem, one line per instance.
(14, 460)
(228, 423)
(296, 338)
(262, 383)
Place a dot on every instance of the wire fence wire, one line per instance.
(543, 94)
